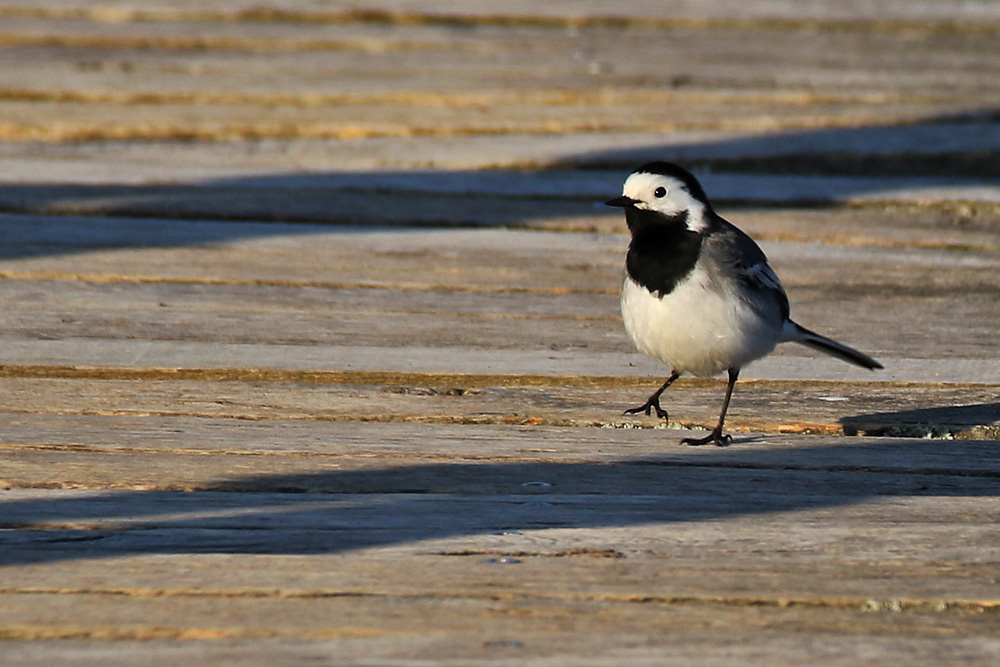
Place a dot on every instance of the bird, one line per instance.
(699, 294)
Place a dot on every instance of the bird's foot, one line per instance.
(652, 404)
(716, 437)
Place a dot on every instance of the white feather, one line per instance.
(764, 275)
(641, 187)
(697, 328)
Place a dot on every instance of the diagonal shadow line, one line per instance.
(344, 510)
(967, 153)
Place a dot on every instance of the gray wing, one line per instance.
(742, 259)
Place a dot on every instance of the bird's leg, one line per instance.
(653, 402)
(716, 435)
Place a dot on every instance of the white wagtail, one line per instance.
(698, 293)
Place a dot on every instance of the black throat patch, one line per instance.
(662, 252)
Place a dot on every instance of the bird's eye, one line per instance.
(660, 192)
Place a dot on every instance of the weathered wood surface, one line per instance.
(528, 536)
(761, 406)
(310, 348)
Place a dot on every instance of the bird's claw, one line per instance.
(647, 408)
(716, 437)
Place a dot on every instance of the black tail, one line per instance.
(799, 334)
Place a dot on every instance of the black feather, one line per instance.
(835, 349)
(662, 251)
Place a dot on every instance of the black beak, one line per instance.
(621, 202)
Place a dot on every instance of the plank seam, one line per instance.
(402, 378)
(264, 14)
(895, 605)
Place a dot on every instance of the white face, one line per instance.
(666, 195)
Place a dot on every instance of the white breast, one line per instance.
(696, 328)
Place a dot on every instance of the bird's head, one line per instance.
(664, 192)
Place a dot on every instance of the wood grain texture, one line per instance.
(310, 348)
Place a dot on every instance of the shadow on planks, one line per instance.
(386, 199)
(374, 505)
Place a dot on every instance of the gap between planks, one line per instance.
(99, 131)
(104, 278)
(984, 605)
(884, 25)
(474, 99)
(402, 378)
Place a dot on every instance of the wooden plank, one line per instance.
(486, 647)
(263, 48)
(231, 567)
(42, 312)
(359, 292)
(919, 12)
(473, 581)
(165, 121)
(786, 364)
(538, 199)
(171, 162)
(508, 260)
(62, 122)
(759, 406)
(368, 445)
(485, 633)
